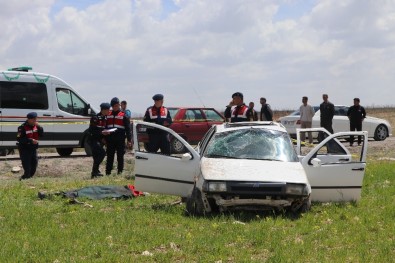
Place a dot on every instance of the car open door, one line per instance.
(335, 172)
(172, 174)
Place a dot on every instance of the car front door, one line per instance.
(173, 174)
(336, 179)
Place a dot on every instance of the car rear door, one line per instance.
(336, 178)
(191, 125)
(166, 174)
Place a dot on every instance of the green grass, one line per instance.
(52, 230)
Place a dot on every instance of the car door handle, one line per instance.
(47, 115)
(187, 125)
(59, 116)
(344, 160)
(358, 169)
(141, 158)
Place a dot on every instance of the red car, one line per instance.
(191, 123)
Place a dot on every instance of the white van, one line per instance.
(62, 113)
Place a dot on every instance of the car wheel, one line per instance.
(177, 146)
(306, 206)
(64, 151)
(194, 203)
(87, 146)
(380, 133)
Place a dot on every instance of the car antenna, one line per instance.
(200, 99)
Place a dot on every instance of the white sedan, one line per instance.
(378, 129)
(250, 166)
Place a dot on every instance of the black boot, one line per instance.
(95, 172)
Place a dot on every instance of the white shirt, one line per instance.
(306, 113)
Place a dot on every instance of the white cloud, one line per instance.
(132, 49)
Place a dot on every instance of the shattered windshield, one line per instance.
(252, 143)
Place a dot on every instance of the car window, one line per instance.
(341, 110)
(193, 115)
(69, 102)
(173, 112)
(252, 143)
(23, 95)
(212, 115)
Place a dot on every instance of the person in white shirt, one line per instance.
(306, 118)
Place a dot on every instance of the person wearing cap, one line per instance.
(27, 139)
(356, 114)
(236, 111)
(124, 108)
(266, 113)
(116, 119)
(158, 114)
(97, 138)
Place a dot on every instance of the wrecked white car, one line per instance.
(251, 165)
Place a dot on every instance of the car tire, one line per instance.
(87, 146)
(176, 146)
(381, 133)
(64, 151)
(194, 204)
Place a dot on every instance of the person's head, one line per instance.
(105, 108)
(304, 100)
(31, 118)
(124, 104)
(237, 98)
(356, 101)
(115, 104)
(325, 97)
(158, 100)
(251, 105)
(262, 100)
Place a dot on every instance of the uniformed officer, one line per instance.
(158, 114)
(116, 139)
(356, 114)
(236, 110)
(97, 137)
(28, 134)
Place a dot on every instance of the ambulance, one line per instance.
(62, 112)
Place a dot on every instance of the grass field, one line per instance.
(155, 229)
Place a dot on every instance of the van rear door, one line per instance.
(20, 96)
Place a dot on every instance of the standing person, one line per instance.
(158, 114)
(124, 108)
(306, 118)
(327, 111)
(252, 115)
(28, 134)
(236, 111)
(97, 141)
(266, 112)
(116, 140)
(356, 114)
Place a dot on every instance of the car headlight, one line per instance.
(295, 189)
(216, 187)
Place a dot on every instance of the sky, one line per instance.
(199, 52)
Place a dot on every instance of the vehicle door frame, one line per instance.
(165, 174)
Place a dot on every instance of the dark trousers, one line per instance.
(29, 161)
(355, 126)
(159, 141)
(115, 145)
(98, 154)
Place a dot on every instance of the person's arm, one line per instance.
(312, 111)
(228, 112)
(168, 120)
(146, 116)
(255, 116)
(301, 113)
(40, 131)
(349, 113)
(332, 109)
(363, 113)
(21, 136)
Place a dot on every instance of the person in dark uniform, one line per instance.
(158, 114)
(28, 134)
(236, 111)
(266, 113)
(117, 120)
(327, 111)
(97, 137)
(252, 115)
(356, 114)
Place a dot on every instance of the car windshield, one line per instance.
(252, 143)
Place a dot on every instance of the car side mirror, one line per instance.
(316, 162)
(186, 157)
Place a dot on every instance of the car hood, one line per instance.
(252, 170)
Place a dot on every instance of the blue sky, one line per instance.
(281, 50)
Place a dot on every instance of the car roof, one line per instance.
(269, 125)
